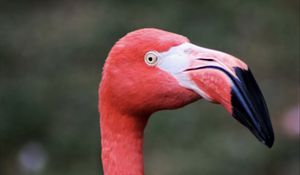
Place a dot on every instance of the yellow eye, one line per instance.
(151, 58)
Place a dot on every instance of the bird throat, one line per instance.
(122, 143)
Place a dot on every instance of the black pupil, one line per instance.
(150, 59)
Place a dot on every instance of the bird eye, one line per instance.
(151, 58)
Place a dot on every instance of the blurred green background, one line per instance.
(51, 55)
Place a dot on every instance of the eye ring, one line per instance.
(151, 58)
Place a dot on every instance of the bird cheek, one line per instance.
(216, 85)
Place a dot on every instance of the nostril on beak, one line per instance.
(205, 59)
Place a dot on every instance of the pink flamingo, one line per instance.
(150, 70)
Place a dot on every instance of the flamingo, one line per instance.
(149, 70)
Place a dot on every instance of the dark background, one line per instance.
(51, 55)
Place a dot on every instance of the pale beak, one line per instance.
(223, 79)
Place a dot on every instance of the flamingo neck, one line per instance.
(122, 143)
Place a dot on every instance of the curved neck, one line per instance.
(122, 143)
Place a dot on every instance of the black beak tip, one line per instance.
(249, 107)
(261, 130)
(269, 143)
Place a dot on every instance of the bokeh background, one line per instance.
(51, 55)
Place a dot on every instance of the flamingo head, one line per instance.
(150, 70)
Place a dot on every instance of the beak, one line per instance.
(224, 79)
